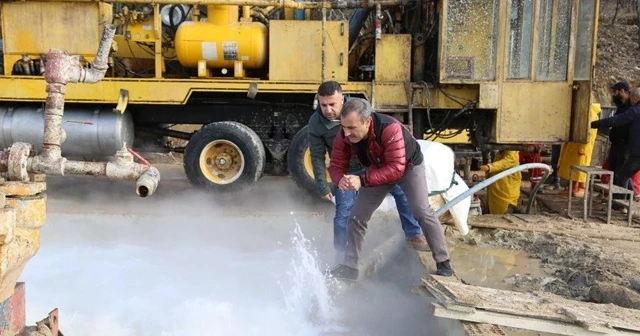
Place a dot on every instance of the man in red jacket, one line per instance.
(391, 156)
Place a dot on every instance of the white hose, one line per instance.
(497, 177)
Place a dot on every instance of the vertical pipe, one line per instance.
(300, 14)
(222, 15)
(324, 43)
(378, 22)
(246, 13)
(419, 58)
(157, 23)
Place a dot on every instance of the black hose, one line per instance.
(356, 22)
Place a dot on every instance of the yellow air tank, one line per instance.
(222, 40)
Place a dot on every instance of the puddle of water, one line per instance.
(488, 267)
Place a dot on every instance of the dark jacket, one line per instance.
(390, 152)
(630, 119)
(619, 136)
(321, 133)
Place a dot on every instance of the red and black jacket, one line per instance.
(390, 152)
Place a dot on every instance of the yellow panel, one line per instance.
(462, 138)
(128, 49)
(295, 50)
(177, 91)
(141, 31)
(536, 112)
(337, 51)
(35, 27)
(388, 95)
(393, 57)
(154, 91)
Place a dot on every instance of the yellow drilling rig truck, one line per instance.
(486, 73)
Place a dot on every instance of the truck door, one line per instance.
(585, 59)
(534, 54)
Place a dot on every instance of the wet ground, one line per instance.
(186, 263)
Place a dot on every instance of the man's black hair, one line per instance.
(620, 86)
(328, 88)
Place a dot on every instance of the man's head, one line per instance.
(634, 96)
(619, 93)
(356, 119)
(330, 99)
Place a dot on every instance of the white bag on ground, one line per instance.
(439, 170)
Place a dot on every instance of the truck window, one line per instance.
(584, 40)
(520, 39)
(554, 32)
(470, 40)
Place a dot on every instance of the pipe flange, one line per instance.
(18, 155)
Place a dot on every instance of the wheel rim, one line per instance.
(221, 162)
(308, 166)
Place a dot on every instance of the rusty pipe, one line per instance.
(99, 65)
(85, 168)
(336, 4)
(148, 182)
(62, 69)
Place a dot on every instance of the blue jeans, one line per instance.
(345, 201)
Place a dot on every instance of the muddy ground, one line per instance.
(586, 261)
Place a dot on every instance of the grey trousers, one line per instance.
(414, 185)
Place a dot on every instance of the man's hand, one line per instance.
(354, 182)
(327, 197)
(484, 168)
(349, 182)
(344, 183)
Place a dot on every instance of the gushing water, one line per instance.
(107, 282)
(308, 295)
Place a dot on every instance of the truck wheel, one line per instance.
(224, 156)
(299, 162)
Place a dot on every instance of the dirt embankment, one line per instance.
(618, 53)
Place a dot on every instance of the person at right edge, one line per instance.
(391, 156)
(630, 118)
(619, 136)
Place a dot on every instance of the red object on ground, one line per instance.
(535, 174)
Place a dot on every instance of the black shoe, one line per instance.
(345, 272)
(444, 268)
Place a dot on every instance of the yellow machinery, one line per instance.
(485, 73)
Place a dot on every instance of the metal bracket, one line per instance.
(253, 90)
(123, 101)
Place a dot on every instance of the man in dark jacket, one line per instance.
(619, 136)
(392, 157)
(324, 124)
(631, 120)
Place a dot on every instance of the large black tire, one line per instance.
(299, 163)
(224, 156)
